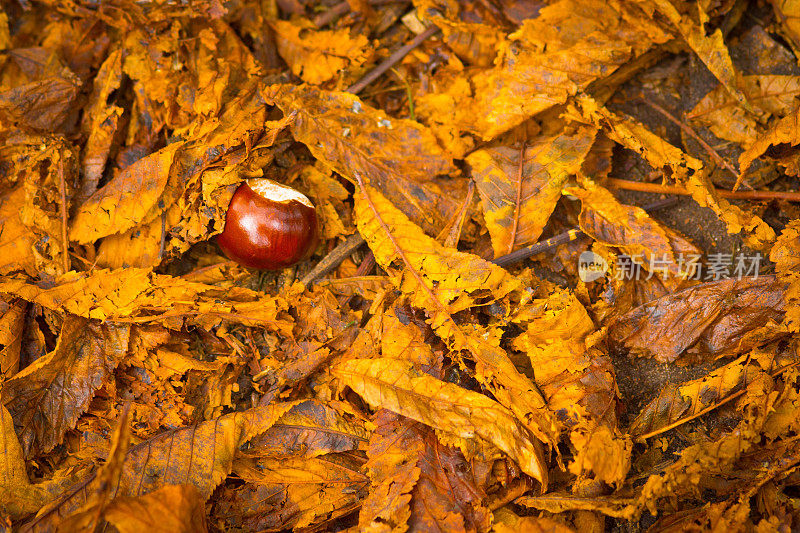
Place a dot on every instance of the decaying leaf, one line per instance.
(712, 318)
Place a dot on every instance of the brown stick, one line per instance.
(62, 190)
(333, 259)
(390, 61)
(724, 193)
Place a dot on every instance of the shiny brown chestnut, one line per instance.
(268, 226)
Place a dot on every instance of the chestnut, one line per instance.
(268, 226)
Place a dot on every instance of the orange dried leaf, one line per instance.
(18, 496)
(126, 200)
(517, 202)
(295, 492)
(445, 281)
(710, 49)
(316, 56)
(712, 318)
(170, 509)
(399, 387)
(633, 231)
(200, 455)
(16, 239)
(82, 362)
(769, 94)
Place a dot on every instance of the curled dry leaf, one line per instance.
(712, 319)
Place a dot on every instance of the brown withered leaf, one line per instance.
(12, 322)
(100, 124)
(687, 399)
(518, 198)
(570, 44)
(200, 455)
(786, 256)
(755, 232)
(474, 37)
(294, 493)
(172, 508)
(782, 133)
(399, 157)
(602, 450)
(635, 136)
(168, 94)
(682, 476)
(507, 521)
(419, 483)
(393, 469)
(48, 396)
(712, 318)
(140, 294)
(660, 249)
(105, 484)
(125, 200)
(309, 429)
(43, 104)
(16, 240)
(710, 49)
(769, 94)
(18, 497)
(447, 492)
(684, 168)
(556, 502)
(399, 387)
(444, 281)
(576, 378)
(788, 18)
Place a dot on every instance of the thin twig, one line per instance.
(62, 189)
(323, 19)
(333, 259)
(390, 61)
(724, 193)
(562, 238)
(710, 408)
(515, 224)
(691, 133)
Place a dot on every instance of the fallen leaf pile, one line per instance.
(562, 289)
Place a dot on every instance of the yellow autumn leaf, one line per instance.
(399, 387)
(315, 55)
